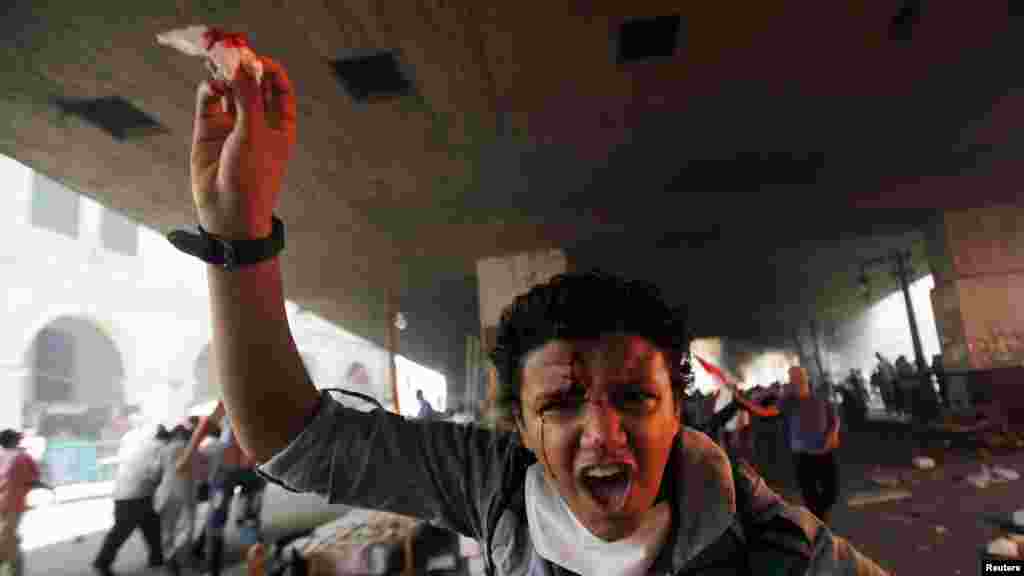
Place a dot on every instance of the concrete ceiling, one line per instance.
(715, 171)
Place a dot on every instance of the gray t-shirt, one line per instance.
(453, 475)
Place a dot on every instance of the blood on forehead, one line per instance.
(619, 357)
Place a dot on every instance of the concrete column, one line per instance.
(500, 280)
(979, 273)
(977, 258)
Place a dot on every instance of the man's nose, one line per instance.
(602, 425)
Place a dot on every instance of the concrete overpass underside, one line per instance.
(769, 134)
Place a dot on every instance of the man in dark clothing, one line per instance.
(427, 411)
(887, 380)
(907, 384)
(940, 376)
(138, 474)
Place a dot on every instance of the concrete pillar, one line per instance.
(977, 258)
(500, 280)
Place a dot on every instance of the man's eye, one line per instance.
(562, 403)
(638, 397)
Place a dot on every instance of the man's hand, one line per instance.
(239, 154)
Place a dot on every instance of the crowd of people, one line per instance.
(810, 425)
(160, 481)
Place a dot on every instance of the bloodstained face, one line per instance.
(601, 417)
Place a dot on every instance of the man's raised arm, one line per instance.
(239, 157)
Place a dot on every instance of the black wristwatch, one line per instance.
(229, 254)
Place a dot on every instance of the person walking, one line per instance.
(811, 426)
(138, 474)
(906, 384)
(175, 501)
(234, 468)
(887, 380)
(18, 475)
(427, 411)
(939, 370)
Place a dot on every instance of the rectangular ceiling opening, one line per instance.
(373, 76)
(112, 114)
(643, 39)
(901, 29)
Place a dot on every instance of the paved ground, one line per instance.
(936, 531)
(62, 538)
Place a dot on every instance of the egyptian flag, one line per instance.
(715, 371)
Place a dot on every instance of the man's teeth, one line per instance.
(604, 471)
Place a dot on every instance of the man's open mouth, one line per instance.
(608, 484)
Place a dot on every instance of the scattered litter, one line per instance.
(876, 497)
(924, 463)
(980, 479)
(940, 529)
(1005, 474)
(1003, 547)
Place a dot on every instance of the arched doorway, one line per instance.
(73, 368)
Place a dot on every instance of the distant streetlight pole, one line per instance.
(903, 270)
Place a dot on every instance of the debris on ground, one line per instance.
(992, 475)
(940, 529)
(980, 479)
(866, 498)
(923, 463)
(1005, 474)
(1004, 547)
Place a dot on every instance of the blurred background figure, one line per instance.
(232, 469)
(138, 474)
(175, 501)
(427, 411)
(811, 427)
(887, 381)
(18, 474)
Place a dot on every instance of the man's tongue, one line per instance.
(610, 492)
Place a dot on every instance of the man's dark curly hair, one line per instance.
(583, 306)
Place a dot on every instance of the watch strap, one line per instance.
(229, 254)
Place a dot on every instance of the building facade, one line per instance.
(103, 318)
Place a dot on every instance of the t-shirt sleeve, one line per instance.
(443, 472)
(26, 470)
(33, 469)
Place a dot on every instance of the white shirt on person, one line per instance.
(138, 470)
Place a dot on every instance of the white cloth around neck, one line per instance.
(559, 537)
